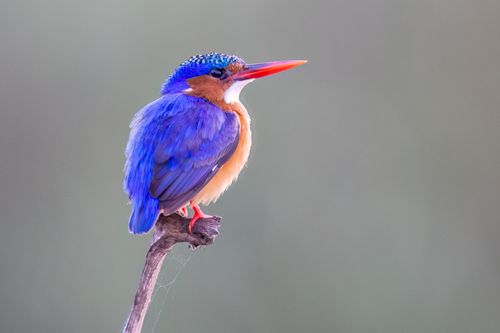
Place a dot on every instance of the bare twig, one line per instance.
(168, 231)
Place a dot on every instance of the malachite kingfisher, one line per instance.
(190, 144)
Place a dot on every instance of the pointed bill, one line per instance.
(254, 71)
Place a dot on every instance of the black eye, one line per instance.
(218, 73)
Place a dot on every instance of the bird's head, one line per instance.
(219, 78)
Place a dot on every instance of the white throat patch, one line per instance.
(232, 94)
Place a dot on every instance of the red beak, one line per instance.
(254, 71)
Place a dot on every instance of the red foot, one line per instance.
(198, 214)
(183, 211)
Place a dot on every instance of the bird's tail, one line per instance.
(144, 214)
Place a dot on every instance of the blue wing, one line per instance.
(183, 140)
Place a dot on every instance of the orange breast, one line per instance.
(232, 168)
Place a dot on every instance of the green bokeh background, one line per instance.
(370, 202)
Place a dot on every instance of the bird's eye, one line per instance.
(218, 73)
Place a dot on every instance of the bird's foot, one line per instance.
(198, 214)
(183, 211)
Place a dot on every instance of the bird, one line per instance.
(190, 144)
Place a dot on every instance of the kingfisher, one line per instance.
(190, 144)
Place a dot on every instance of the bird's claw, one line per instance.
(183, 211)
(198, 214)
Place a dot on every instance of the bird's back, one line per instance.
(177, 145)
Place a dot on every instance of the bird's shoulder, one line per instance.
(195, 129)
(195, 116)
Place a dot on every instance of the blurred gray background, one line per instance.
(370, 202)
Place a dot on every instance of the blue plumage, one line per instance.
(176, 145)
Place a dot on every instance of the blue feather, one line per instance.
(176, 145)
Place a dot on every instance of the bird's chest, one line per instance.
(230, 170)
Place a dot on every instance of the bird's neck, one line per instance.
(224, 94)
(205, 87)
(240, 110)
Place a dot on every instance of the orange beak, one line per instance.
(254, 71)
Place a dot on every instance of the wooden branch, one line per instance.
(168, 231)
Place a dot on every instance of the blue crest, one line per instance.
(196, 66)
